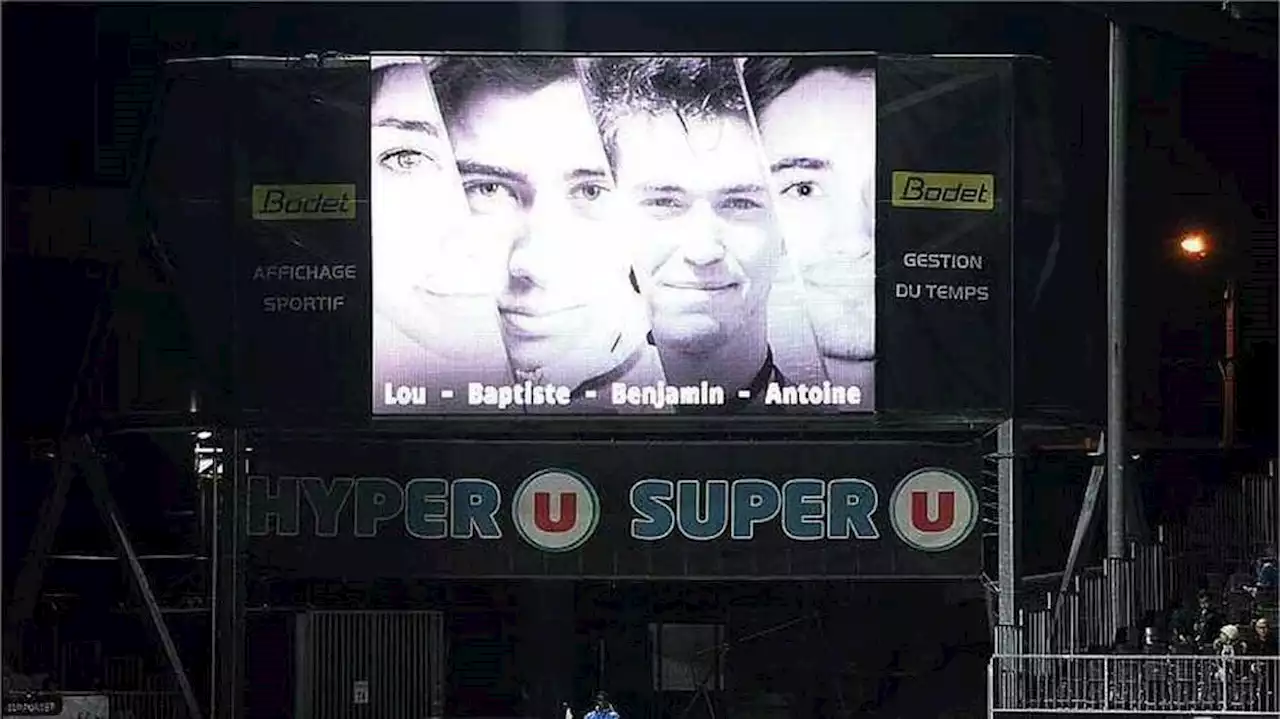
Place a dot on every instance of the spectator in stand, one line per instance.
(1265, 592)
(1239, 595)
(1243, 576)
(1182, 674)
(1207, 623)
(1268, 575)
(1229, 643)
(1262, 642)
(1155, 672)
(602, 708)
(1182, 641)
(1152, 643)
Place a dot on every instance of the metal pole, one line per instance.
(213, 541)
(1008, 633)
(26, 593)
(1117, 126)
(1229, 368)
(229, 595)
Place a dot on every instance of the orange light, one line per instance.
(1194, 246)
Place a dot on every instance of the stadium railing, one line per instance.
(1164, 685)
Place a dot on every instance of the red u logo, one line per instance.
(946, 516)
(566, 517)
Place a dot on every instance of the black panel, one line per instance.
(944, 333)
(302, 126)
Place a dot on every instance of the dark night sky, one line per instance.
(1203, 136)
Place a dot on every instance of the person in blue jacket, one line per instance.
(602, 709)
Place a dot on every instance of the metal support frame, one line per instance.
(26, 592)
(86, 459)
(1116, 412)
(31, 576)
(1008, 633)
(1084, 522)
(228, 631)
(78, 454)
(1228, 365)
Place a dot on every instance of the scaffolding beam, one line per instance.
(1118, 124)
(26, 590)
(1084, 522)
(227, 634)
(1008, 633)
(90, 464)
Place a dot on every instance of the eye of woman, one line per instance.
(403, 161)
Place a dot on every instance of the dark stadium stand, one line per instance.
(1203, 640)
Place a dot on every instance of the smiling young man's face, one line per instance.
(700, 222)
(537, 181)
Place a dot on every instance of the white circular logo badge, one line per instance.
(934, 509)
(555, 510)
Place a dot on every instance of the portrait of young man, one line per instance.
(817, 121)
(435, 323)
(540, 192)
(694, 191)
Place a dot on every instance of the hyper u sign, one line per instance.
(581, 518)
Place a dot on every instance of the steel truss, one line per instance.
(78, 456)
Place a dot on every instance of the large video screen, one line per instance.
(623, 235)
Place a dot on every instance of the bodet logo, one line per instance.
(934, 509)
(555, 510)
(304, 202)
(944, 191)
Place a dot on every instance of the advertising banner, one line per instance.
(302, 276)
(618, 509)
(944, 235)
(460, 234)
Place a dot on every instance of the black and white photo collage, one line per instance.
(597, 235)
